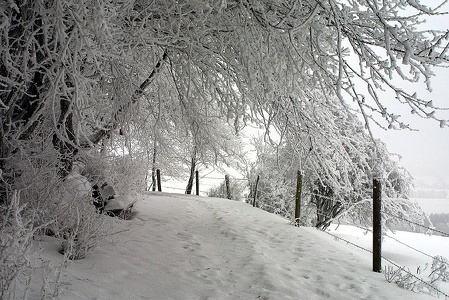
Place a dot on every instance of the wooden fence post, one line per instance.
(158, 176)
(228, 188)
(377, 226)
(255, 191)
(298, 198)
(197, 183)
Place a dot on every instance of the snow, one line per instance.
(402, 255)
(76, 186)
(191, 247)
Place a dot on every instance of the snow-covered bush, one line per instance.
(77, 222)
(439, 272)
(405, 279)
(80, 228)
(17, 230)
(119, 164)
(274, 195)
(440, 221)
(62, 207)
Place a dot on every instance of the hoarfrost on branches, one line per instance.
(80, 78)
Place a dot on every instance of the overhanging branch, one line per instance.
(100, 134)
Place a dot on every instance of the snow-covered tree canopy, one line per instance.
(337, 171)
(72, 71)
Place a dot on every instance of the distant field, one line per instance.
(401, 249)
(431, 205)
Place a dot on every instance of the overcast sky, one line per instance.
(425, 153)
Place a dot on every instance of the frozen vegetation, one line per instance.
(97, 96)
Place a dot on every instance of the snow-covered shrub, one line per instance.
(440, 221)
(77, 222)
(276, 196)
(80, 228)
(440, 269)
(75, 185)
(404, 278)
(129, 174)
(55, 205)
(404, 212)
(16, 248)
(126, 173)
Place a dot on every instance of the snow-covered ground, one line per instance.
(188, 247)
(407, 249)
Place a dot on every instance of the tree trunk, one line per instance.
(64, 138)
(153, 166)
(298, 198)
(327, 208)
(147, 188)
(255, 190)
(192, 171)
(228, 187)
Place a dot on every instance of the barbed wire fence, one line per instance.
(203, 184)
(401, 276)
(417, 224)
(409, 281)
(390, 274)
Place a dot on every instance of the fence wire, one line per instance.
(417, 224)
(173, 188)
(402, 243)
(216, 178)
(431, 287)
(223, 178)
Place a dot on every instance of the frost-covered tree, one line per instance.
(337, 169)
(74, 69)
(214, 144)
(74, 72)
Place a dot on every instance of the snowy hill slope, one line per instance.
(186, 247)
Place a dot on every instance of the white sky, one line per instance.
(425, 153)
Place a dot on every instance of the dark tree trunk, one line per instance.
(23, 95)
(192, 170)
(153, 166)
(327, 208)
(19, 114)
(377, 226)
(228, 187)
(64, 138)
(298, 198)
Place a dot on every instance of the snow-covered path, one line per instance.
(181, 247)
